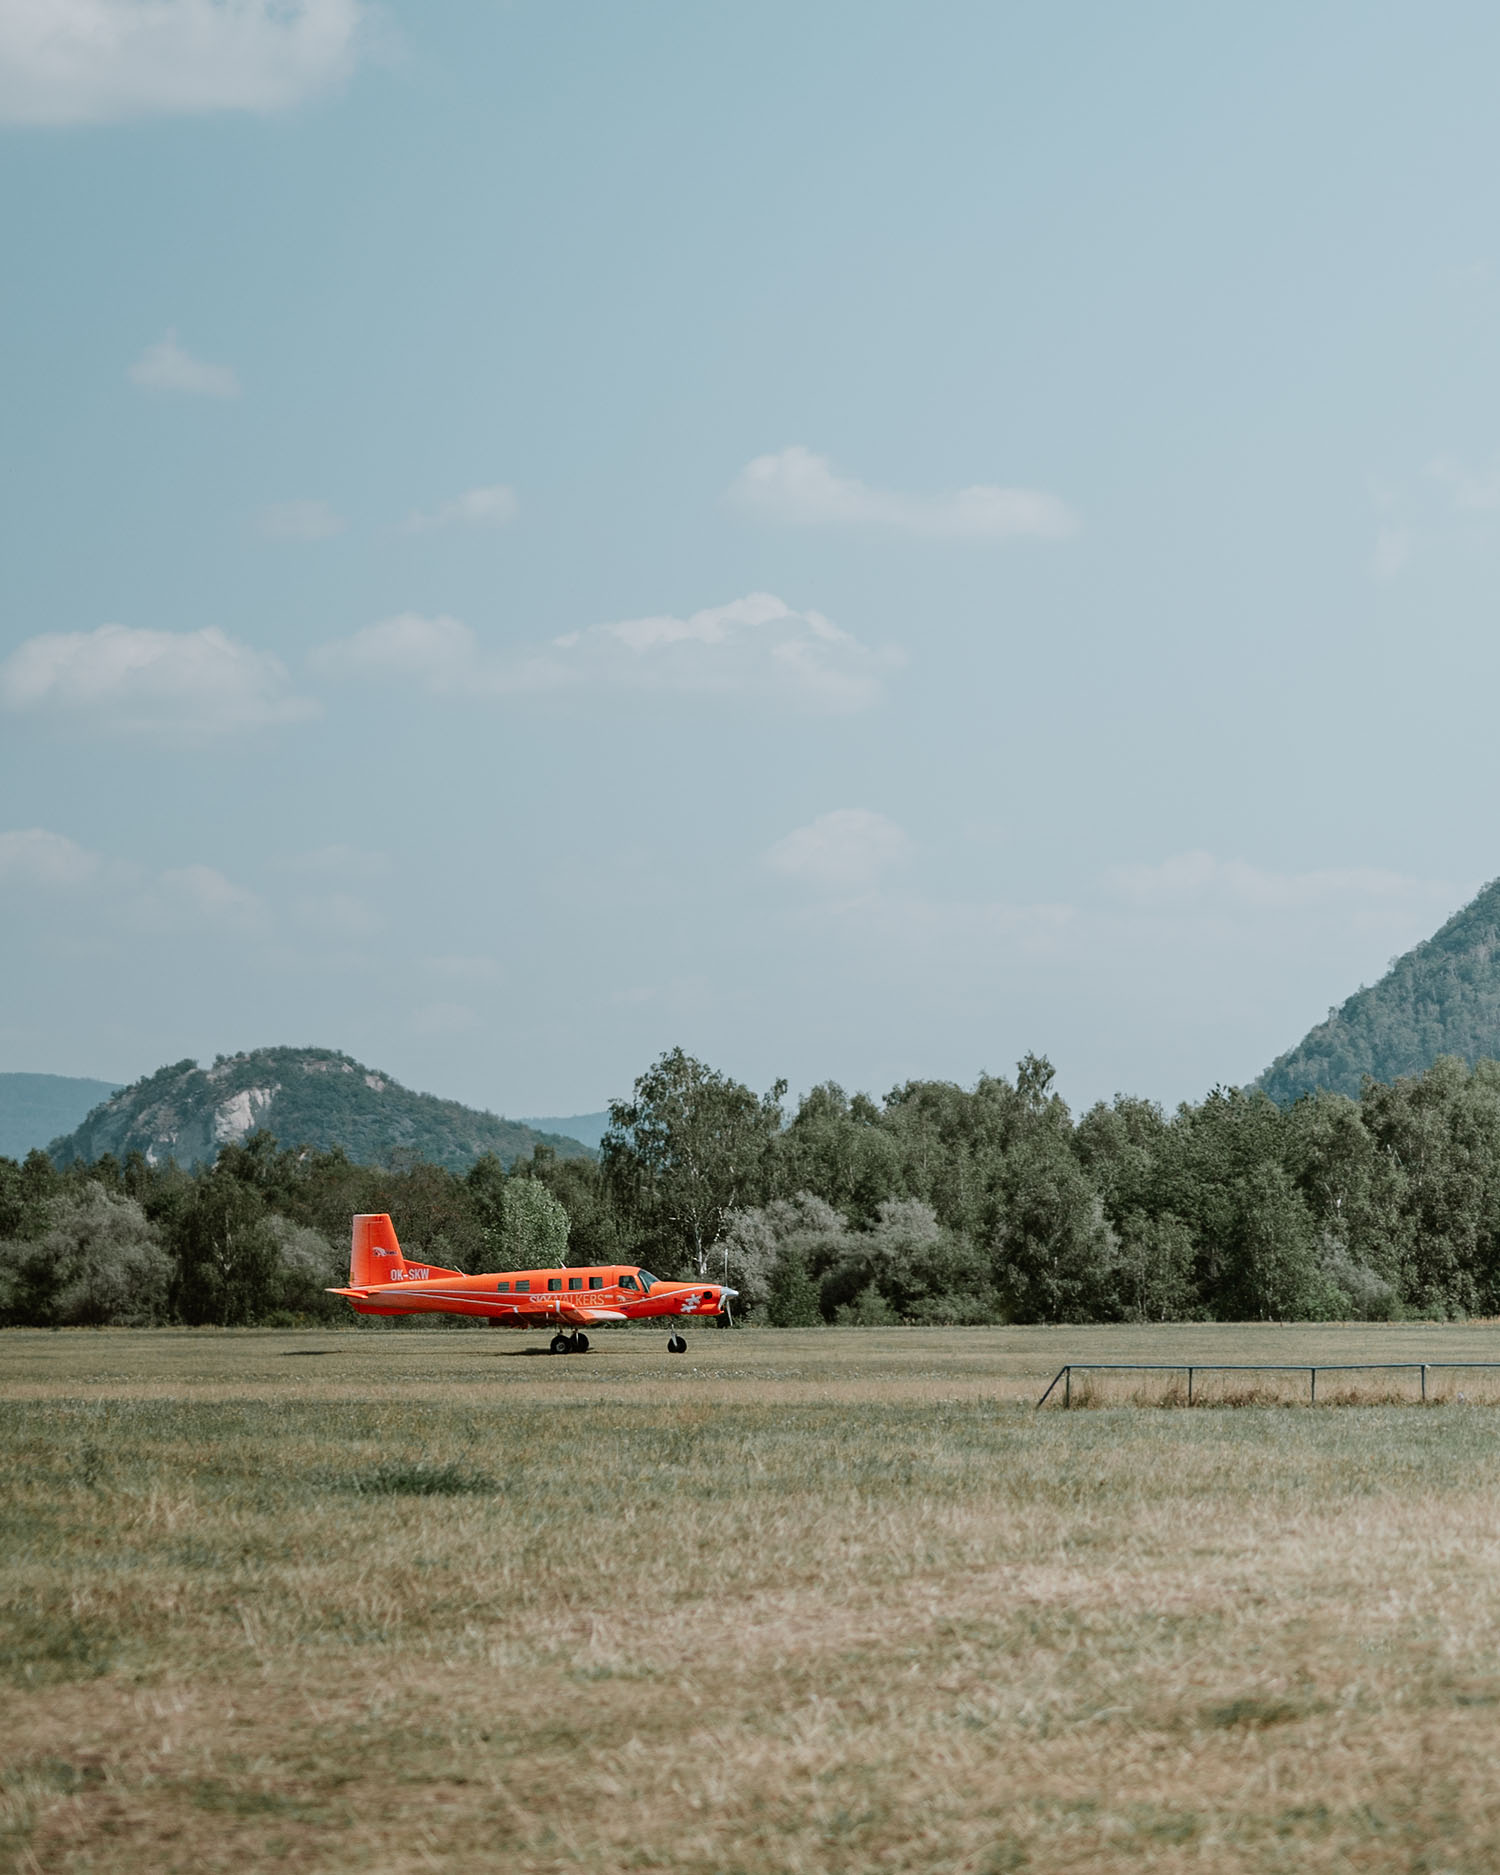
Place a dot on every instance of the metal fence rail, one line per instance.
(1191, 1369)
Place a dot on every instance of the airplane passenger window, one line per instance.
(502, 1287)
(524, 1283)
(575, 1282)
(554, 1282)
(596, 1282)
(628, 1282)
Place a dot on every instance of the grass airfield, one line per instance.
(802, 1601)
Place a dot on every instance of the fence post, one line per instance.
(1313, 1375)
(1068, 1387)
(1190, 1386)
(1424, 1383)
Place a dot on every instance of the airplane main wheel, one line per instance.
(676, 1344)
(561, 1344)
(580, 1343)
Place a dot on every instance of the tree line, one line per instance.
(938, 1204)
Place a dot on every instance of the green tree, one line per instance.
(1272, 1270)
(793, 1301)
(533, 1226)
(840, 1149)
(1053, 1247)
(1154, 1269)
(688, 1148)
(226, 1256)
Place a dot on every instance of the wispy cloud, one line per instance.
(1201, 881)
(39, 867)
(478, 507)
(755, 646)
(33, 856)
(178, 686)
(99, 61)
(300, 520)
(801, 489)
(1393, 550)
(1472, 491)
(185, 899)
(845, 850)
(165, 366)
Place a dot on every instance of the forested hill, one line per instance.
(306, 1097)
(1442, 998)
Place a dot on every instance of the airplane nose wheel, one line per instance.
(676, 1344)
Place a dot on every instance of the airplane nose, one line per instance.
(729, 1294)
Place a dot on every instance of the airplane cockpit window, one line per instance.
(646, 1280)
(628, 1282)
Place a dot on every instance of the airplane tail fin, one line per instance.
(375, 1255)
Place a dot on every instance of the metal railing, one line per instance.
(1194, 1368)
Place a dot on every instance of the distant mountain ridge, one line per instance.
(587, 1128)
(312, 1097)
(35, 1108)
(1441, 998)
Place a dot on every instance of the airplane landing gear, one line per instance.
(676, 1344)
(580, 1343)
(570, 1344)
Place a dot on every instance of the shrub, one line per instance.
(99, 1264)
(869, 1309)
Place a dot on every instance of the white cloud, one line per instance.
(37, 864)
(1393, 549)
(339, 915)
(36, 857)
(841, 851)
(800, 488)
(757, 645)
(188, 899)
(1473, 491)
(165, 366)
(479, 507)
(1200, 881)
(440, 655)
(100, 61)
(300, 520)
(185, 686)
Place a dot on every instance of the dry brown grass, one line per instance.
(798, 1602)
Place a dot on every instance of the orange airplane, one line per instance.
(382, 1282)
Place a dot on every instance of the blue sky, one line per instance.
(861, 539)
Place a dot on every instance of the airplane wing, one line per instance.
(532, 1310)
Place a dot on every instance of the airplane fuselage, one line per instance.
(527, 1298)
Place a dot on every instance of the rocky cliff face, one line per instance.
(310, 1097)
